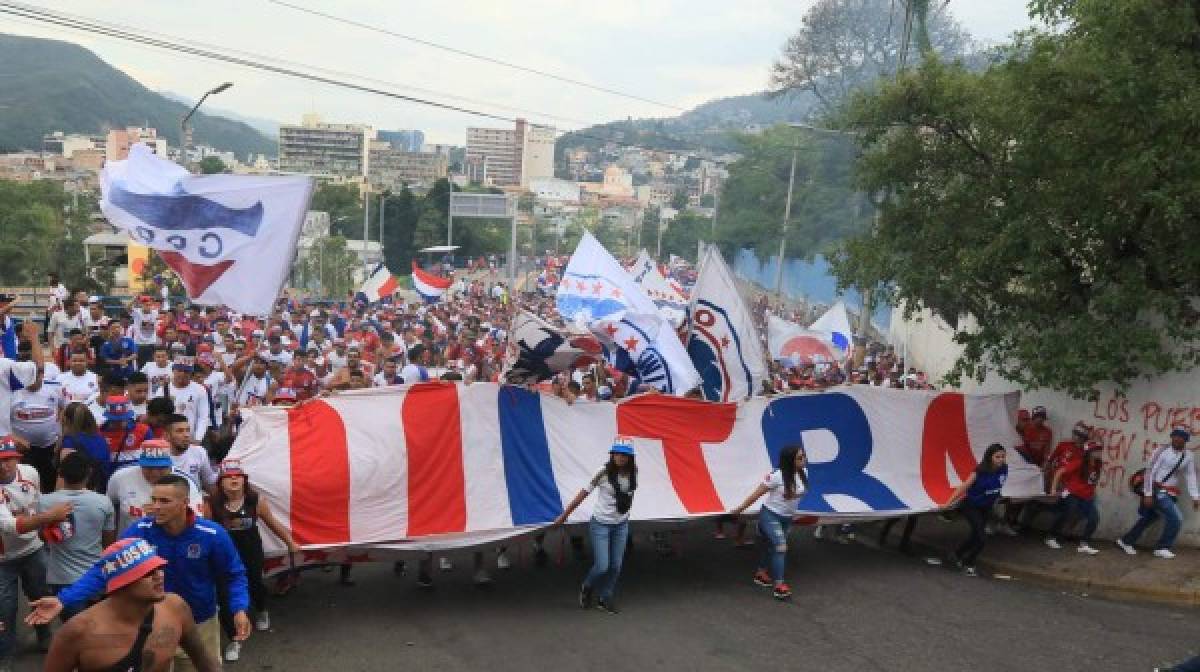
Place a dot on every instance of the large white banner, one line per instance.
(444, 465)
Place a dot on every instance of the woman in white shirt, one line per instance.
(783, 488)
(609, 527)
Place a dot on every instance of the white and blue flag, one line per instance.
(230, 238)
(665, 296)
(723, 341)
(835, 323)
(597, 293)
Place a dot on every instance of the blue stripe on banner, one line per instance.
(533, 495)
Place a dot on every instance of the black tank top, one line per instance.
(132, 662)
(242, 524)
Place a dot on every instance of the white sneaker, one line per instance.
(502, 561)
(819, 532)
(1006, 530)
(1053, 543)
(1129, 550)
(1163, 553)
(482, 578)
(1086, 549)
(445, 565)
(233, 652)
(263, 622)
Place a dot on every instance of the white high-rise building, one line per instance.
(317, 148)
(507, 158)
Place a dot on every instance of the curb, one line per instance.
(1047, 579)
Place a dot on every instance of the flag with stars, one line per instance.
(671, 304)
(723, 343)
(595, 286)
(647, 348)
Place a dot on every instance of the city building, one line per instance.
(617, 182)
(393, 168)
(537, 153)
(554, 190)
(493, 156)
(508, 158)
(321, 149)
(118, 141)
(66, 144)
(656, 193)
(404, 141)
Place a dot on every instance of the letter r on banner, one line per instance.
(783, 422)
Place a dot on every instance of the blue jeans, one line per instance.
(1084, 507)
(30, 570)
(1164, 505)
(608, 549)
(772, 535)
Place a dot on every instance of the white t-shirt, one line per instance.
(253, 391)
(194, 462)
(20, 499)
(130, 493)
(61, 325)
(283, 357)
(221, 392)
(35, 414)
(776, 500)
(192, 402)
(380, 380)
(24, 373)
(604, 510)
(144, 322)
(411, 373)
(159, 377)
(83, 389)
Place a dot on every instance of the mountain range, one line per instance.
(50, 85)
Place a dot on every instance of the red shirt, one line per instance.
(1076, 482)
(1063, 453)
(303, 381)
(1037, 443)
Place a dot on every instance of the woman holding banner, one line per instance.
(609, 527)
(783, 487)
(978, 495)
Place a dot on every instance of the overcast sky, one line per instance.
(679, 52)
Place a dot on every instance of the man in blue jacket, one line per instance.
(199, 552)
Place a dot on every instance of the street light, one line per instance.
(186, 131)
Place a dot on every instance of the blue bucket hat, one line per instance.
(1179, 431)
(622, 445)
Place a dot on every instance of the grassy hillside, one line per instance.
(48, 85)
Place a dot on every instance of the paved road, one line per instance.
(854, 609)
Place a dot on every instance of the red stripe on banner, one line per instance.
(320, 506)
(945, 434)
(682, 425)
(437, 501)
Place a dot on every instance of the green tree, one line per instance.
(211, 165)
(826, 204)
(682, 235)
(844, 45)
(679, 200)
(401, 211)
(1052, 197)
(344, 205)
(42, 229)
(330, 266)
(650, 226)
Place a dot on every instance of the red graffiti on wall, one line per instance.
(1130, 438)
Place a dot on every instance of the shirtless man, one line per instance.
(137, 628)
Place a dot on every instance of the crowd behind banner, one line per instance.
(112, 403)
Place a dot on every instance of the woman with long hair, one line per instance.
(81, 433)
(783, 487)
(609, 528)
(978, 494)
(239, 509)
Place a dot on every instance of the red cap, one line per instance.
(8, 447)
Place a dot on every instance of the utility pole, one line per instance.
(382, 203)
(366, 233)
(787, 214)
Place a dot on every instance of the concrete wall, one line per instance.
(1130, 425)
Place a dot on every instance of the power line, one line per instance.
(125, 33)
(472, 55)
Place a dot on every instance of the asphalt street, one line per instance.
(854, 608)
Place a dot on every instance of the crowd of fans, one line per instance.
(123, 422)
